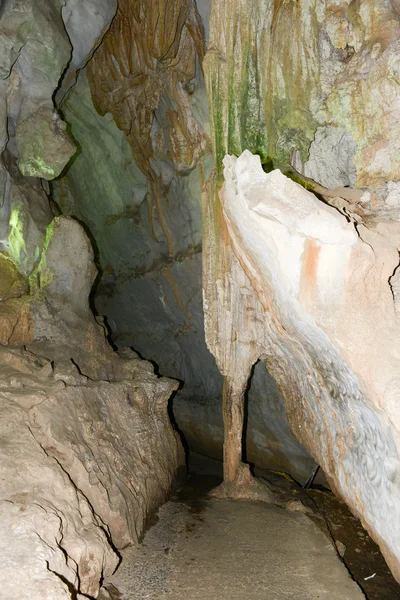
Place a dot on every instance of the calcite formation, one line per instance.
(310, 290)
(322, 100)
(152, 297)
(143, 74)
(309, 285)
(270, 92)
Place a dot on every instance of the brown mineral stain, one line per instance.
(176, 291)
(19, 321)
(146, 61)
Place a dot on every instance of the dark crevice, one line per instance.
(392, 281)
(331, 535)
(73, 592)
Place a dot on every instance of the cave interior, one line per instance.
(200, 299)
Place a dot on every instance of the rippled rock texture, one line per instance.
(84, 463)
(311, 88)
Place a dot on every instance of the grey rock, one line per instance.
(331, 158)
(24, 216)
(44, 145)
(35, 49)
(86, 23)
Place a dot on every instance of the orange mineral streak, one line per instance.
(310, 266)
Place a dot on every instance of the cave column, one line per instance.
(238, 480)
(233, 414)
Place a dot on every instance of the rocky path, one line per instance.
(233, 550)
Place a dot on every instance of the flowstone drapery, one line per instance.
(312, 290)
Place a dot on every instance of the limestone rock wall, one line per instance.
(333, 76)
(137, 184)
(309, 287)
(83, 465)
(129, 78)
(308, 290)
(87, 448)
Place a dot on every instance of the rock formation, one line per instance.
(141, 200)
(281, 95)
(88, 451)
(310, 288)
(142, 74)
(87, 448)
(120, 124)
(81, 470)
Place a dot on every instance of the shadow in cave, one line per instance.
(174, 423)
(246, 420)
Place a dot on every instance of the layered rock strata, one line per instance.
(84, 463)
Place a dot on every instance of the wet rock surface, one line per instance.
(359, 552)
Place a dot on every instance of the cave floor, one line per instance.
(200, 548)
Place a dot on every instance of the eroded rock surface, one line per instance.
(320, 281)
(88, 450)
(150, 289)
(323, 100)
(294, 281)
(143, 75)
(270, 92)
(87, 447)
(35, 50)
(83, 465)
